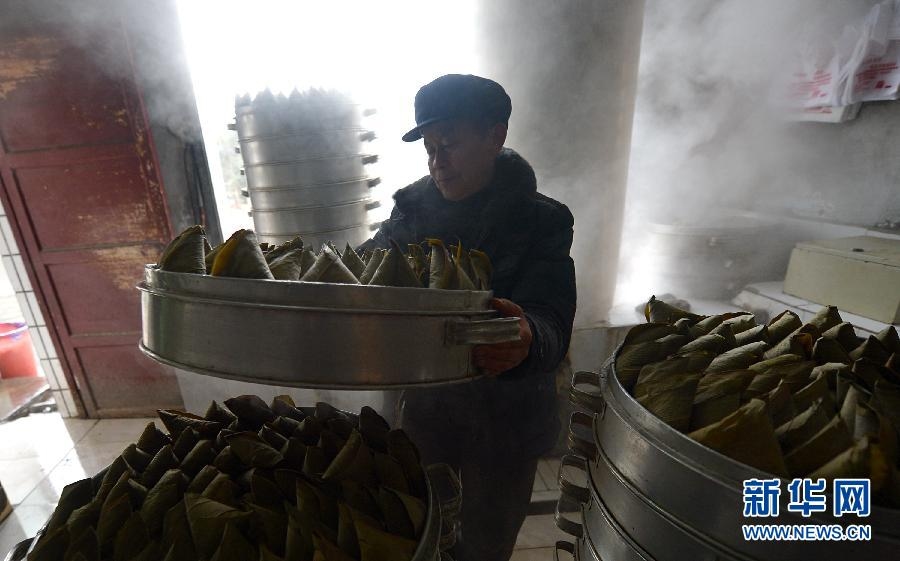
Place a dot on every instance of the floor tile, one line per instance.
(539, 484)
(44, 435)
(533, 554)
(23, 523)
(19, 477)
(118, 430)
(548, 468)
(86, 460)
(539, 531)
(544, 496)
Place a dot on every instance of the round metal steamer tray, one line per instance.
(316, 335)
(427, 550)
(656, 494)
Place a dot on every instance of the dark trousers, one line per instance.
(497, 479)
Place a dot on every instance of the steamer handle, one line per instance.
(451, 503)
(572, 490)
(568, 547)
(20, 551)
(568, 526)
(482, 332)
(579, 445)
(592, 401)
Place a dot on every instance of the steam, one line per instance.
(708, 137)
(96, 28)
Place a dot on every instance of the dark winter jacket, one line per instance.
(527, 237)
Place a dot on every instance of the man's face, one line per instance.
(461, 156)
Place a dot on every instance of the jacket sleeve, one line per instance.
(382, 238)
(546, 291)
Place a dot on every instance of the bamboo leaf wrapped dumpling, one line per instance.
(417, 260)
(295, 244)
(234, 546)
(845, 335)
(208, 521)
(671, 397)
(287, 266)
(394, 270)
(718, 395)
(186, 253)
(711, 342)
(657, 311)
(74, 496)
(889, 338)
(378, 545)
(152, 439)
(372, 265)
(872, 349)
(830, 441)
(353, 461)
(329, 268)
(829, 350)
(635, 356)
(747, 436)
(131, 539)
(253, 451)
(326, 550)
(780, 405)
(802, 427)
(161, 498)
(864, 459)
(464, 270)
(241, 257)
(84, 544)
(482, 269)
(783, 325)
(826, 318)
(799, 342)
(352, 261)
(738, 358)
(760, 333)
(442, 269)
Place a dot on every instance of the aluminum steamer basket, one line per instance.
(316, 335)
(670, 498)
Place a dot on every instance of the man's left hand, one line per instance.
(500, 357)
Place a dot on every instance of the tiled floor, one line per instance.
(41, 454)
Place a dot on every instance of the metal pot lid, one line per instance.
(316, 295)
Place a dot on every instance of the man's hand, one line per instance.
(498, 358)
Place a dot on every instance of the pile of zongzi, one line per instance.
(242, 256)
(791, 398)
(248, 482)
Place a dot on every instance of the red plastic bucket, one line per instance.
(17, 358)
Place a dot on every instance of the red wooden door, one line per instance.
(80, 185)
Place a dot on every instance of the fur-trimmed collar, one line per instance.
(513, 179)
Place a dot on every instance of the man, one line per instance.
(478, 193)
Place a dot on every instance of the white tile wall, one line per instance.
(34, 308)
(22, 298)
(44, 348)
(37, 342)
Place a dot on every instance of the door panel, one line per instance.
(112, 274)
(94, 213)
(80, 183)
(120, 372)
(62, 98)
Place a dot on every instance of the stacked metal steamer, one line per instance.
(305, 166)
(654, 494)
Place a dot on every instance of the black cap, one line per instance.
(460, 96)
